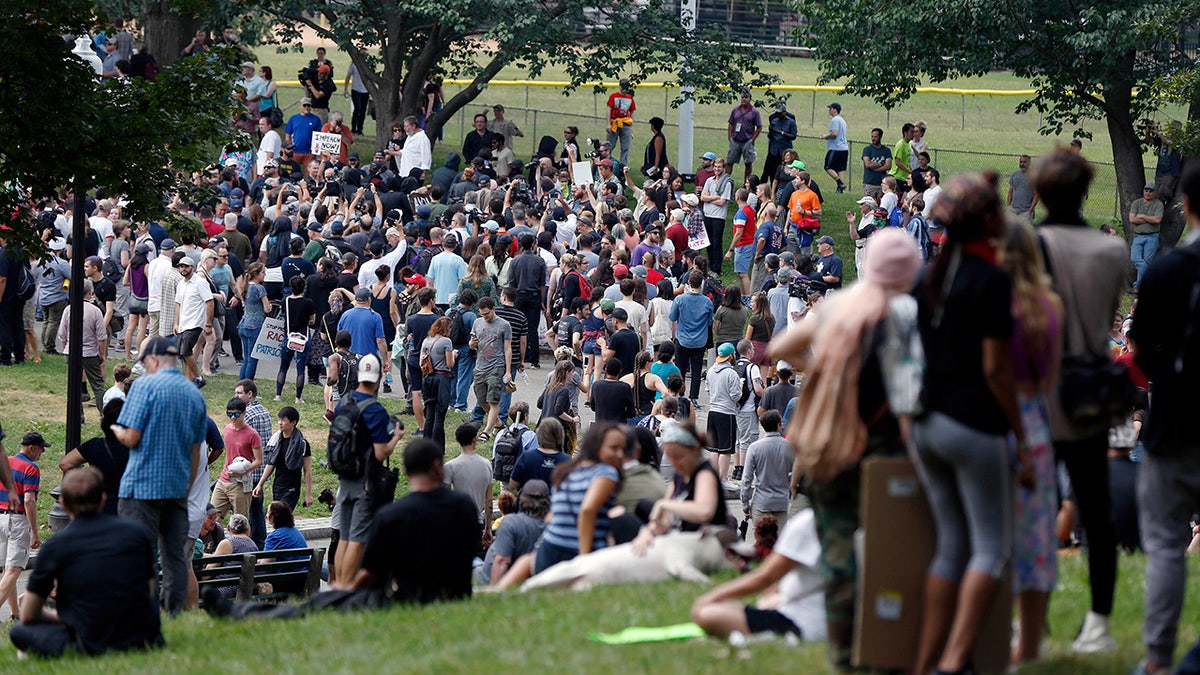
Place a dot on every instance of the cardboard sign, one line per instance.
(331, 143)
(581, 173)
(269, 345)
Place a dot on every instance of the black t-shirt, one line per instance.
(418, 329)
(978, 306)
(326, 86)
(520, 326)
(102, 566)
(285, 478)
(348, 281)
(556, 402)
(110, 458)
(626, 344)
(298, 312)
(612, 401)
(91, 244)
(685, 490)
(566, 328)
(528, 274)
(105, 291)
(423, 545)
(317, 289)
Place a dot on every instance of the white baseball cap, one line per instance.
(369, 369)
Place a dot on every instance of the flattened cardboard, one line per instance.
(894, 550)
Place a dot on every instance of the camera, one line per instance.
(394, 423)
(802, 287)
(520, 192)
(306, 75)
(595, 143)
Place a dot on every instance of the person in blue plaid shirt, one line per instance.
(257, 418)
(162, 424)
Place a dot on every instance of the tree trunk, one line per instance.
(1127, 151)
(167, 33)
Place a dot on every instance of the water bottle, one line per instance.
(525, 376)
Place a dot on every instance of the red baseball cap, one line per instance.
(415, 279)
(620, 271)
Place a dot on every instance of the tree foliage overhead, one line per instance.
(476, 39)
(1093, 60)
(136, 138)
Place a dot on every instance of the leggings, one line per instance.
(1087, 465)
(968, 482)
(285, 359)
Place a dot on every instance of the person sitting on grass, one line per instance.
(103, 594)
(796, 605)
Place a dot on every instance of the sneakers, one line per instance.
(387, 388)
(841, 187)
(737, 473)
(199, 382)
(1095, 636)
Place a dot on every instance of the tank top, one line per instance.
(686, 492)
(643, 396)
(382, 307)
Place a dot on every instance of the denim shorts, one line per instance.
(743, 258)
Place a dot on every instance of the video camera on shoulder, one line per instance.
(802, 287)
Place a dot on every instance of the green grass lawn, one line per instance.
(547, 632)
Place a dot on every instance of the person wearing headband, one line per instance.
(693, 498)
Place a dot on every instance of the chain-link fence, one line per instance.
(1103, 202)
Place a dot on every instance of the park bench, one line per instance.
(259, 567)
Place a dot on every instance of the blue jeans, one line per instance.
(1141, 252)
(249, 364)
(167, 519)
(625, 135)
(464, 376)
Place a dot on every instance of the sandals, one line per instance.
(483, 437)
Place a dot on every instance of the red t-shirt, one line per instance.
(239, 443)
(678, 234)
(621, 104)
(744, 217)
(213, 228)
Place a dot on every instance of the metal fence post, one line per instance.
(533, 133)
(935, 159)
(813, 121)
(849, 164)
(964, 112)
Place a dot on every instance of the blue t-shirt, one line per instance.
(283, 538)
(535, 464)
(663, 371)
(693, 314)
(301, 128)
(446, 269)
(831, 266)
(374, 419)
(837, 124)
(365, 328)
(254, 314)
(293, 266)
(773, 234)
(566, 500)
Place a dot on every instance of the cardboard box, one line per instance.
(894, 550)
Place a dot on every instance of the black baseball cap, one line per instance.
(159, 346)
(34, 438)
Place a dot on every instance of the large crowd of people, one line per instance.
(971, 341)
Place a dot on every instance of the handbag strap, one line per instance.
(947, 283)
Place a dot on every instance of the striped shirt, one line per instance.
(170, 412)
(27, 477)
(567, 500)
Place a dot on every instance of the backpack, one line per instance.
(505, 452)
(347, 374)
(896, 219)
(346, 457)
(459, 335)
(743, 369)
(714, 289)
(112, 271)
(425, 361)
(275, 117)
(557, 303)
(334, 255)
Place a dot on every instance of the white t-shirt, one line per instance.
(416, 153)
(931, 196)
(268, 148)
(638, 316)
(155, 271)
(192, 297)
(752, 373)
(103, 227)
(801, 600)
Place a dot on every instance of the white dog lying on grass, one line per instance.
(690, 556)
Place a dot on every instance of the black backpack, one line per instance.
(743, 369)
(459, 335)
(347, 380)
(346, 456)
(112, 271)
(505, 452)
(26, 285)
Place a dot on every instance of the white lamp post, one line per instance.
(83, 51)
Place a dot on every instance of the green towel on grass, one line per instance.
(639, 634)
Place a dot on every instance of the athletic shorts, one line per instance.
(722, 431)
(837, 159)
(414, 376)
(187, 340)
(770, 621)
(743, 258)
(355, 514)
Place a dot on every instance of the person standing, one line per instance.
(1088, 272)
(715, 195)
(1145, 216)
(491, 338)
(501, 126)
(299, 130)
(1021, 197)
(692, 312)
(528, 276)
(232, 492)
(837, 148)
(288, 456)
(94, 347)
(52, 294)
(743, 128)
(877, 162)
(162, 424)
(1165, 345)
(471, 475)
(507, 310)
(417, 152)
(781, 131)
(725, 388)
(655, 159)
(436, 390)
(766, 484)
(258, 418)
(355, 89)
(18, 523)
(902, 157)
(620, 118)
(742, 249)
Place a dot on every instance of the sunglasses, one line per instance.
(232, 414)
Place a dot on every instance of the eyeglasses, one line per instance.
(232, 414)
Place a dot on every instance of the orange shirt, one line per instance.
(801, 201)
